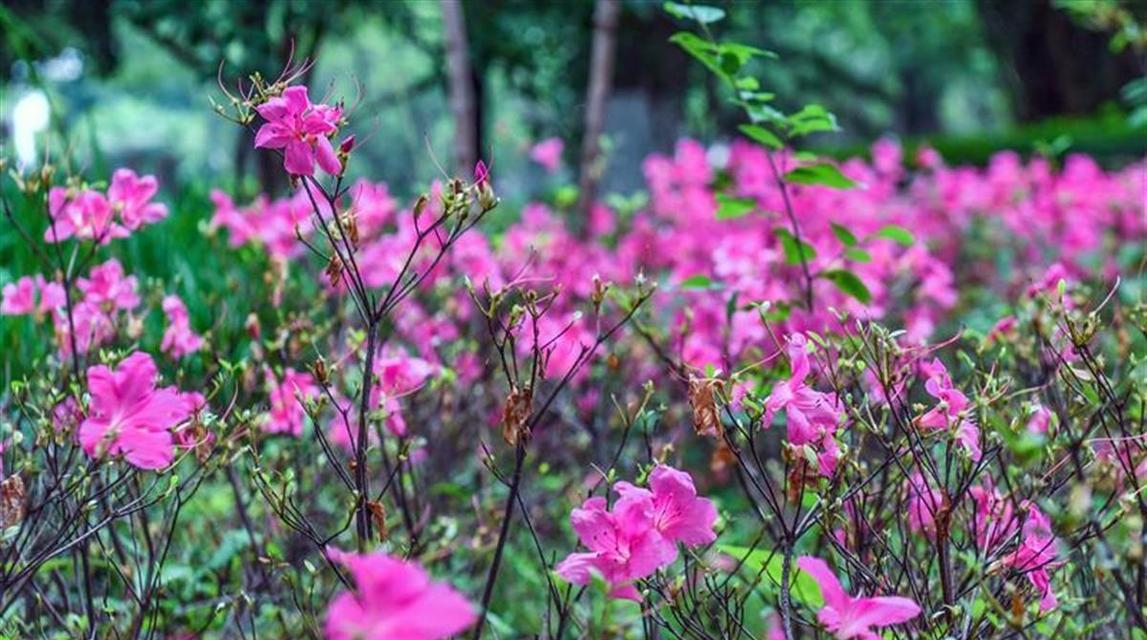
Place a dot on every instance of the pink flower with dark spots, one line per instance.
(846, 617)
(393, 600)
(130, 416)
(302, 130)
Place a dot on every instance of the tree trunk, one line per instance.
(462, 81)
(605, 18)
(1052, 65)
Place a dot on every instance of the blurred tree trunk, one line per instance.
(1052, 65)
(463, 85)
(605, 18)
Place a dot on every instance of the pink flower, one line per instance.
(19, 297)
(131, 195)
(129, 415)
(812, 416)
(302, 130)
(951, 411)
(107, 289)
(678, 514)
(393, 600)
(924, 504)
(178, 339)
(1040, 420)
(548, 153)
(624, 544)
(1037, 554)
(287, 413)
(86, 216)
(847, 617)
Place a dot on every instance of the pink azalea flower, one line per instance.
(106, 287)
(131, 195)
(548, 153)
(924, 503)
(995, 519)
(287, 413)
(847, 617)
(951, 411)
(624, 546)
(393, 600)
(302, 130)
(19, 297)
(678, 514)
(812, 416)
(1037, 554)
(87, 215)
(178, 339)
(129, 415)
(1040, 420)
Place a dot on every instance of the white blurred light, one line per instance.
(30, 116)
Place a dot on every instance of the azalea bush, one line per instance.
(775, 396)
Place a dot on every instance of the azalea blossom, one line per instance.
(178, 339)
(847, 617)
(952, 409)
(87, 215)
(812, 416)
(302, 130)
(393, 600)
(1037, 554)
(678, 514)
(19, 297)
(548, 153)
(131, 196)
(129, 415)
(624, 545)
(287, 413)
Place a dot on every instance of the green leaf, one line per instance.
(844, 235)
(762, 135)
(729, 207)
(699, 282)
(703, 50)
(856, 254)
(847, 282)
(794, 249)
(897, 234)
(699, 12)
(826, 175)
(812, 118)
(770, 564)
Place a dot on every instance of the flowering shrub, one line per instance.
(782, 397)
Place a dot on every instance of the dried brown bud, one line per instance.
(378, 515)
(254, 329)
(350, 225)
(319, 368)
(334, 270)
(420, 204)
(519, 405)
(703, 400)
(11, 502)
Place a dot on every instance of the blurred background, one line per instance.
(130, 82)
